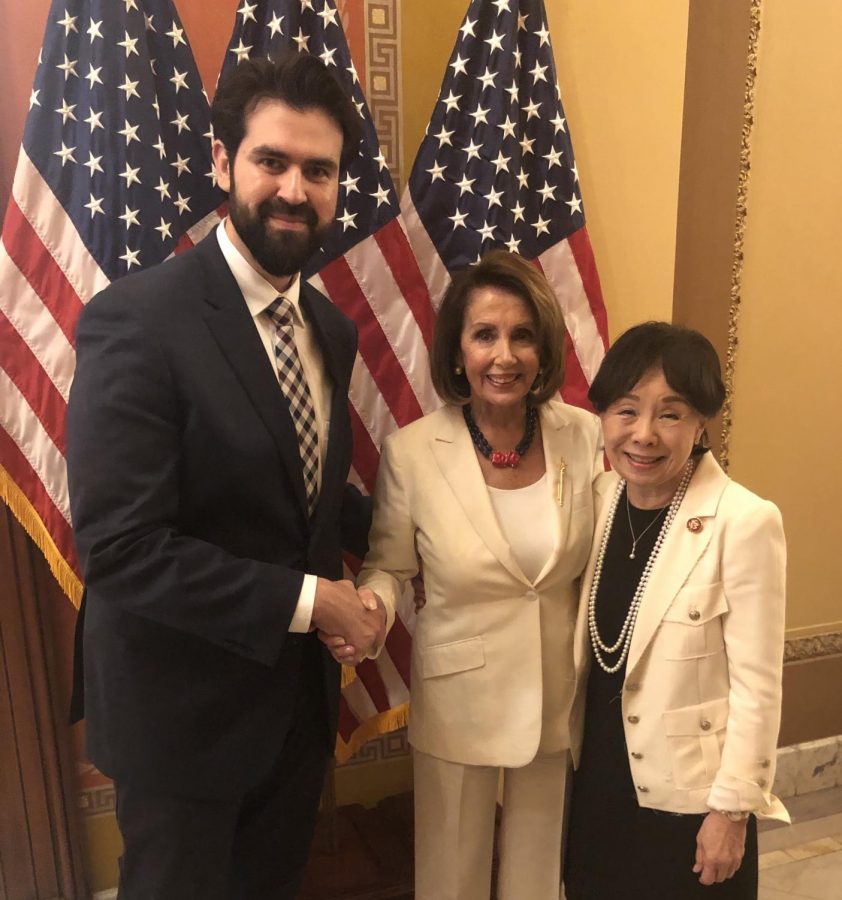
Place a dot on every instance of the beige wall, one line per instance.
(788, 412)
(426, 43)
(622, 85)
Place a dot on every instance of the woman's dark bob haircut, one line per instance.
(687, 359)
(509, 272)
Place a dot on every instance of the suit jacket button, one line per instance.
(704, 725)
(636, 755)
(694, 614)
(761, 782)
(634, 719)
(532, 595)
(765, 764)
(642, 789)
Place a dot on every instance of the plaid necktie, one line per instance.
(295, 388)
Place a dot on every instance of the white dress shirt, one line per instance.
(258, 293)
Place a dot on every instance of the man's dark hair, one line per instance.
(686, 357)
(299, 80)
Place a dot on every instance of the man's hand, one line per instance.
(350, 623)
(720, 845)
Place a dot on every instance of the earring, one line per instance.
(702, 443)
(457, 370)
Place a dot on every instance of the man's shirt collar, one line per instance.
(257, 291)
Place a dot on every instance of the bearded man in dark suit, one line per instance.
(208, 449)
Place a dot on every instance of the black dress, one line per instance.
(617, 850)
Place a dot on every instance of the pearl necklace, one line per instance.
(623, 641)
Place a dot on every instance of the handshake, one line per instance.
(350, 623)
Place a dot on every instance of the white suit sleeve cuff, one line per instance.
(723, 798)
(303, 614)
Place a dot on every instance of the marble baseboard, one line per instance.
(807, 767)
(799, 649)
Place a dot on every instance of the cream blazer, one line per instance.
(702, 694)
(492, 662)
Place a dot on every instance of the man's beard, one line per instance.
(277, 251)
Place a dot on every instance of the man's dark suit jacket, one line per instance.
(191, 523)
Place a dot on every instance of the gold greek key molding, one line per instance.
(97, 801)
(739, 230)
(385, 746)
(383, 86)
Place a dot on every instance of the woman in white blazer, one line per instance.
(680, 628)
(493, 494)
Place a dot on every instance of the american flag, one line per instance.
(114, 175)
(496, 169)
(368, 270)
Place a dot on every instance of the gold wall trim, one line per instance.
(739, 230)
(383, 83)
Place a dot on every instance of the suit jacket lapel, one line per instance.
(556, 437)
(604, 490)
(232, 326)
(331, 341)
(679, 553)
(338, 362)
(454, 452)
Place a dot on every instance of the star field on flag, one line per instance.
(119, 129)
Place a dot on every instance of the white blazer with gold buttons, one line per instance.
(492, 662)
(702, 693)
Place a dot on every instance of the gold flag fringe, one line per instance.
(384, 722)
(349, 676)
(24, 512)
(739, 230)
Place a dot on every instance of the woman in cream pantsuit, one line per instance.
(681, 629)
(502, 540)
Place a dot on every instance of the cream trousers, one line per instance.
(454, 829)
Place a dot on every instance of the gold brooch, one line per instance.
(559, 493)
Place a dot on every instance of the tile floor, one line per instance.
(803, 861)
